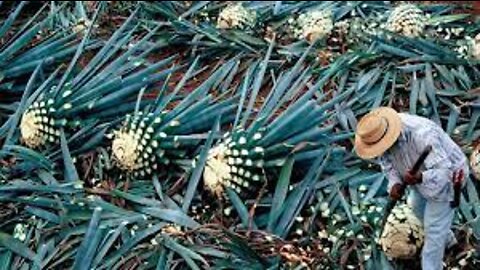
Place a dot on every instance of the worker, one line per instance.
(396, 140)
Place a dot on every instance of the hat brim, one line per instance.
(370, 151)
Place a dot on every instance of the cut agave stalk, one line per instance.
(147, 140)
(93, 94)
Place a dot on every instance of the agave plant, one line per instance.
(84, 98)
(274, 219)
(255, 145)
(335, 26)
(162, 134)
(211, 29)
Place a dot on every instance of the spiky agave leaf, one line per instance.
(91, 95)
(162, 136)
(72, 16)
(18, 56)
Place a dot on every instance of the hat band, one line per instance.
(379, 138)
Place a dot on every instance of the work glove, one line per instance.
(412, 178)
(397, 191)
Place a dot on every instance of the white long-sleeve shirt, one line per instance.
(437, 170)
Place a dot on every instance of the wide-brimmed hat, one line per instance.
(376, 132)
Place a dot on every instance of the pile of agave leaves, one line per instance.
(215, 135)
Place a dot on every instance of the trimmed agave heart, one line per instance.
(475, 47)
(313, 25)
(402, 237)
(407, 20)
(237, 16)
(475, 162)
(235, 163)
(37, 127)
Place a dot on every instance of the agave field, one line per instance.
(218, 134)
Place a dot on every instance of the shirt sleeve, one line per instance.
(390, 172)
(438, 168)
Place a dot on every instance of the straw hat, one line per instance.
(377, 132)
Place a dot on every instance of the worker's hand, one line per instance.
(458, 177)
(396, 192)
(412, 178)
